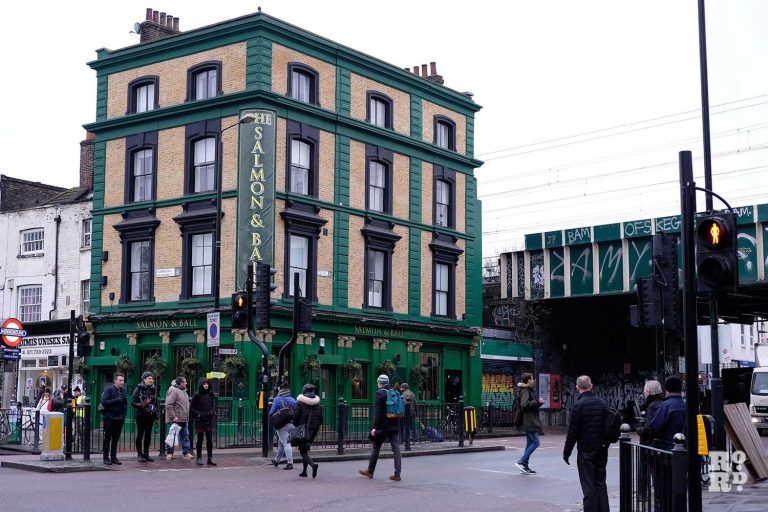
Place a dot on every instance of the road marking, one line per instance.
(495, 471)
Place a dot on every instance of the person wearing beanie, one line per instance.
(670, 416)
(384, 429)
(203, 410)
(144, 401)
(281, 415)
(308, 412)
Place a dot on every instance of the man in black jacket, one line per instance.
(587, 429)
(384, 429)
(115, 405)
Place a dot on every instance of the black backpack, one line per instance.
(517, 410)
(613, 421)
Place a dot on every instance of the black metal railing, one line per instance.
(651, 479)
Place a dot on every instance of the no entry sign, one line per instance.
(12, 332)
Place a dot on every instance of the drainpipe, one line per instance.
(57, 220)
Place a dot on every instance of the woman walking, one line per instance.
(281, 415)
(144, 401)
(203, 410)
(308, 412)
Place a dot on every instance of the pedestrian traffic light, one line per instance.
(239, 310)
(262, 302)
(717, 267)
(305, 315)
(82, 338)
(648, 302)
(666, 272)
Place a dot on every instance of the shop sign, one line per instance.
(33, 347)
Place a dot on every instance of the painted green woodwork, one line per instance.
(764, 227)
(611, 265)
(414, 238)
(343, 91)
(607, 232)
(536, 282)
(637, 228)
(341, 174)
(578, 236)
(518, 351)
(744, 215)
(473, 255)
(553, 239)
(670, 224)
(470, 134)
(762, 213)
(258, 64)
(557, 272)
(640, 255)
(341, 260)
(416, 117)
(533, 241)
(746, 245)
(581, 269)
(102, 86)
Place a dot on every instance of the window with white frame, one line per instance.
(32, 241)
(376, 260)
(442, 290)
(205, 162)
(300, 167)
(140, 265)
(142, 175)
(85, 295)
(377, 174)
(145, 97)
(442, 203)
(299, 262)
(206, 84)
(300, 86)
(87, 225)
(202, 261)
(30, 303)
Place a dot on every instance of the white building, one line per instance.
(736, 341)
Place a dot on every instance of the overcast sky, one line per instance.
(623, 73)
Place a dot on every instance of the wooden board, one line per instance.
(744, 436)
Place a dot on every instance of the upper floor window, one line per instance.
(376, 278)
(140, 269)
(32, 241)
(299, 262)
(204, 81)
(201, 263)
(137, 232)
(445, 133)
(143, 94)
(303, 83)
(379, 110)
(300, 167)
(444, 203)
(377, 178)
(85, 295)
(302, 162)
(141, 175)
(204, 156)
(30, 303)
(87, 224)
(302, 229)
(442, 289)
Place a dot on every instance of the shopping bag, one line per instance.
(172, 439)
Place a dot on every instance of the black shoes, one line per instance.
(115, 461)
(147, 458)
(142, 458)
(274, 463)
(314, 470)
(107, 462)
(199, 461)
(287, 467)
(211, 462)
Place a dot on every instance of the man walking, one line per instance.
(385, 428)
(115, 405)
(409, 397)
(587, 430)
(177, 411)
(529, 404)
(669, 418)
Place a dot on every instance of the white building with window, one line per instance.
(45, 263)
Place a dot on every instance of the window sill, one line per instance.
(32, 255)
(83, 249)
(128, 306)
(196, 300)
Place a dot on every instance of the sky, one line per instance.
(586, 104)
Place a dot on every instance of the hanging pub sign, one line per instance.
(256, 191)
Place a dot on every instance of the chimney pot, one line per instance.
(169, 21)
(424, 70)
(432, 68)
(149, 14)
(416, 70)
(156, 16)
(176, 24)
(162, 18)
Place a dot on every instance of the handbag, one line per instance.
(100, 408)
(282, 416)
(299, 434)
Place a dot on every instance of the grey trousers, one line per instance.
(283, 446)
(394, 441)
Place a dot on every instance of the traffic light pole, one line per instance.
(68, 412)
(265, 437)
(286, 349)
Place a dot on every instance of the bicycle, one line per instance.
(5, 426)
(449, 425)
(28, 428)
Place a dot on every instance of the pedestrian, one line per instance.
(42, 407)
(177, 411)
(669, 418)
(59, 399)
(308, 412)
(144, 401)
(409, 397)
(115, 404)
(529, 405)
(281, 415)
(385, 428)
(40, 392)
(586, 430)
(203, 410)
(653, 398)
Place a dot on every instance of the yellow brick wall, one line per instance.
(327, 165)
(401, 102)
(325, 260)
(170, 163)
(114, 174)
(426, 274)
(173, 77)
(427, 189)
(429, 111)
(357, 186)
(400, 186)
(227, 286)
(167, 254)
(400, 272)
(111, 267)
(281, 56)
(229, 163)
(282, 154)
(279, 250)
(356, 262)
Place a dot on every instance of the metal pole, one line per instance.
(688, 209)
(67, 409)
(87, 430)
(705, 103)
(265, 373)
(216, 357)
(286, 349)
(716, 383)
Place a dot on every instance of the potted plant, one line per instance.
(124, 365)
(157, 365)
(353, 370)
(81, 368)
(419, 375)
(387, 368)
(235, 364)
(190, 366)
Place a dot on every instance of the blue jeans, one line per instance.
(531, 443)
(186, 445)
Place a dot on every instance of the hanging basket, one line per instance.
(235, 364)
(387, 368)
(419, 375)
(124, 365)
(353, 370)
(157, 365)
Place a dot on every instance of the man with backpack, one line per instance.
(388, 409)
(587, 430)
(531, 423)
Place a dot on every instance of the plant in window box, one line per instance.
(387, 368)
(353, 370)
(157, 365)
(309, 367)
(81, 367)
(124, 365)
(190, 366)
(419, 375)
(235, 365)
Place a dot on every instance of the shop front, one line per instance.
(44, 364)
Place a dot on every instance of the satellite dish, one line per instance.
(137, 27)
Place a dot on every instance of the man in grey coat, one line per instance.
(529, 404)
(177, 411)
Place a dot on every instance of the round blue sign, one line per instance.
(213, 331)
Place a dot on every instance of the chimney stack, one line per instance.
(432, 76)
(86, 161)
(416, 70)
(158, 25)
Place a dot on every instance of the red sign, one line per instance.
(12, 332)
(556, 391)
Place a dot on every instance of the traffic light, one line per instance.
(666, 272)
(717, 268)
(262, 302)
(305, 315)
(239, 310)
(648, 302)
(82, 338)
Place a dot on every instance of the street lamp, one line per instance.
(246, 118)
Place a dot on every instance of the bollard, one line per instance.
(35, 443)
(53, 435)
(625, 469)
(239, 436)
(679, 474)
(408, 426)
(86, 430)
(461, 420)
(161, 413)
(341, 427)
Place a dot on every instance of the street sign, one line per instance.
(228, 351)
(215, 375)
(214, 323)
(11, 353)
(12, 332)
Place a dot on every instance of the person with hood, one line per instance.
(384, 429)
(308, 412)
(281, 414)
(203, 410)
(144, 402)
(177, 411)
(529, 404)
